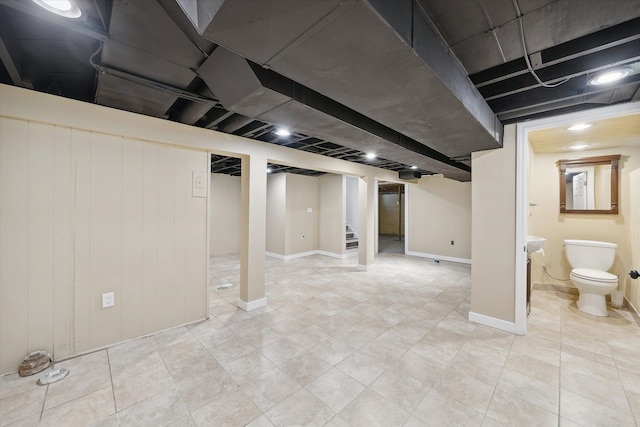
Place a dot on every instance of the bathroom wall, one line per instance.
(224, 215)
(84, 213)
(439, 211)
(546, 221)
(493, 231)
(388, 213)
(301, 196)
(331, 213)
(633, 286)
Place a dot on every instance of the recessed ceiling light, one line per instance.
(371, 156)
(610, 76)
(65, 8)
(414, 167)
(283, 132)
(579, 146)
(580, 126)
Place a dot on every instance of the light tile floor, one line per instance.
(341, 347)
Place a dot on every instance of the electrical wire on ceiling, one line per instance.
(526, 54)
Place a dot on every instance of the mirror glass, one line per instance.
(589, 185)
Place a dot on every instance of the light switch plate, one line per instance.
(199, 184)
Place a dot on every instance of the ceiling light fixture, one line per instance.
(269, 170)
(371, 156)
(580, 126)
(65, 8)
(609, 76)
(414, 167)
(283, 132)
(579, 146)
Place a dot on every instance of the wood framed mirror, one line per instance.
(589, 185)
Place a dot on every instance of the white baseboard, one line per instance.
(292, 256)
(309, 253)
(503, 325)
(336, 255)
(362, 267)
(632, 310)
(252, 305)
(440, 257)
(274, 255)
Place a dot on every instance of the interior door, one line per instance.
(579, 193)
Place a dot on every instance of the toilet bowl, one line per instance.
(590, 261)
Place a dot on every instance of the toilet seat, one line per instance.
(594, 275)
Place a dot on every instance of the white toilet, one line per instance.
(590, 261)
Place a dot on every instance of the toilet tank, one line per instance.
(590, 254)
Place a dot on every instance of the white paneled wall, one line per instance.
(84, 213)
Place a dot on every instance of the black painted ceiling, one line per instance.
(146, 56)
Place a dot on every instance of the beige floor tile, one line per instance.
(541, 349)
(143, 361)
(161, 409)
(22, 405)
(85, 410)
(248, 366)
(465, 389)
(531, 390)
(362, 367)
(400, 388)
(301, 408)
(270, 388)
(401, 327)
(186, 421)
(234, 408)
(282, 350)
(231, 350)
(510, 410)
(534, 368)
(437, 409)
(370, 409)
(14, 384)
(333, 351)
(261, 421)
(130, 390)
(198, 391)
(426, 370)
(586, 412)
(607, 392)
(336, 389)
(85, 363)
(306, 367)
(77, 384)
(386, 350)
(481, 369)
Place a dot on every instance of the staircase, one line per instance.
(351, 239)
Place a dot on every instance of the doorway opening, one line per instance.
(391, 213)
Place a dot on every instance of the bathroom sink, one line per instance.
(534, 243)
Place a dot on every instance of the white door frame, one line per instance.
(522, 174)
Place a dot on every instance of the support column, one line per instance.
(366, 234)
(253, 232)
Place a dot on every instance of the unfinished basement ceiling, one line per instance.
(422, 82)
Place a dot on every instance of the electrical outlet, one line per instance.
(452, 243)
(108, 300)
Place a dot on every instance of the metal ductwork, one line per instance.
(384, 61)
(252, 91)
